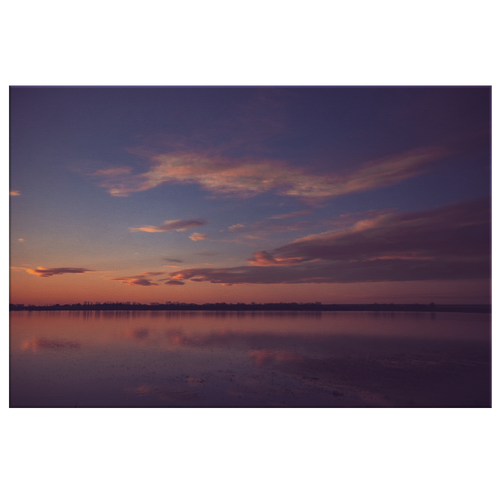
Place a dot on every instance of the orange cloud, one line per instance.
(224, 176)
(14, 193)
(170, 225)
(198, 236)
(143, 279)
(45, 272)
(264, 258)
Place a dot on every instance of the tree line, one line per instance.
(273, 306)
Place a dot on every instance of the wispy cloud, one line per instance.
(198, 236)
(292, 214)
(264, 258)
(14, 193)
(252, 237)
(457, 230)
(174, 282)
(446, 243)
(137, 281)
(246, 178)
(143, 279)
(236, 226)
(261, 230)
(170, 225)
(45, 272)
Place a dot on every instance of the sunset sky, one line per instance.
(250, 194)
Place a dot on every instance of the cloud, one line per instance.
(143, 279)
(253, 234)
(167, 259)
(445, 243)
(236, 226)
(292, 214)
(174, 282)
(260, 230)
(252, 237)
(44, 272)
(21, 239)
(118, 180)
(14, 193)
(170, 225)
(264, 258)
(457, 230)
(246, 178)
(138, 281)
(112, 171)
(198, 236)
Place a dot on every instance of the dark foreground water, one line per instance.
(198, 359)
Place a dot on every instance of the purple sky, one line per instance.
(250, 194)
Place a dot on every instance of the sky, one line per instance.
(250, 194)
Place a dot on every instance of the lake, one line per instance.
(249, 359)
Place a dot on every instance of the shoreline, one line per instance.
(285, 307)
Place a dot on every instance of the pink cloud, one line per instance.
(170, 225)
(450, 242)
(136, 281)
(292, 214)
(341, 272)
(14, 193)
(143, 279)
(45, 272)
(198, 236)
(246, 178)
(264, 258)
(112, 171)
(262, 229)
(460, 229)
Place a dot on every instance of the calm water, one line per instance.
(210, 359)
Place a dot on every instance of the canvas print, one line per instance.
(250, 247)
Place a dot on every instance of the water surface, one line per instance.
(250, 359)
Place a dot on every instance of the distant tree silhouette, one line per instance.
(223, 306)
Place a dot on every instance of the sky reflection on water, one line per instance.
(258, 359)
